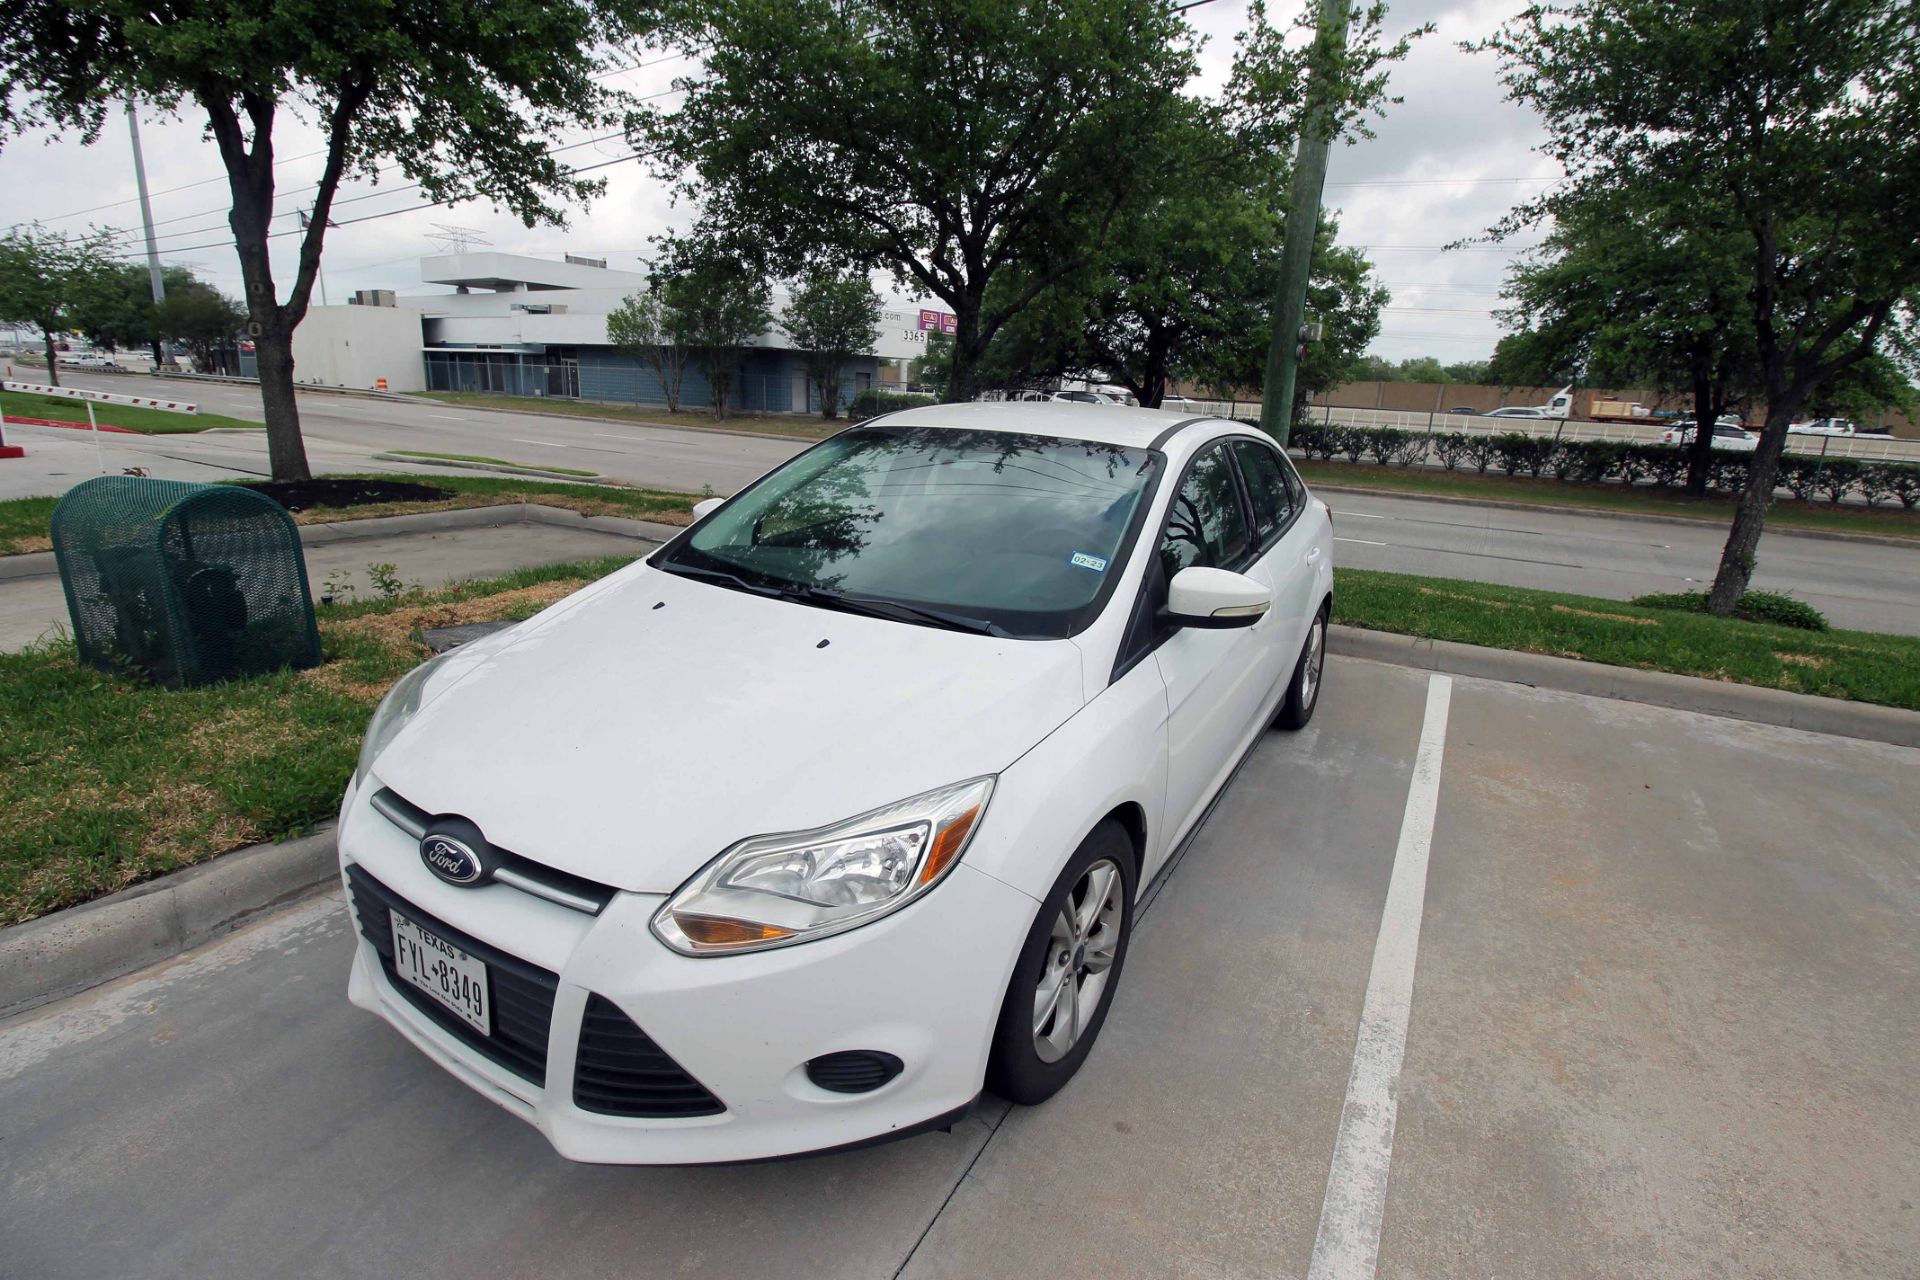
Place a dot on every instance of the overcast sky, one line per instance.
(1446, 163)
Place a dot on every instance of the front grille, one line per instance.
(524, 874)
(621, 1072)
(521, 994)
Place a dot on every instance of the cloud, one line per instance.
(1440, 167)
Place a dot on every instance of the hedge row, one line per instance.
(1594, 461)
(873, 403)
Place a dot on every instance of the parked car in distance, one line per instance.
(835, 809)
(1726, 435)
(89, 360)
(1464, 411)
(1823, 427)
(1517, 411)
(1081, 397)
(1183, 404)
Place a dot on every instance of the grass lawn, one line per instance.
(482, 458)
(778, 424)
(106, 781)
(23, 521)
(1787, 513)
(1864, 666)
(152, 422)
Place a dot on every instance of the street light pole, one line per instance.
(1303, 220)
(146, 219)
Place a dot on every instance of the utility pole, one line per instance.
(146, 220)
(1303, 220)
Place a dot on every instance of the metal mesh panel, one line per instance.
(188, 583)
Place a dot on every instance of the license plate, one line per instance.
(442, 970)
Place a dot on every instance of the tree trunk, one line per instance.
(1750, 517)
(53, 358)
(286, 452)
(1706, 414)
(963, 374)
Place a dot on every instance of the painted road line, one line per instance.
(1343, 514)
(1347, 1245)
(448, 417)
(1365, 542)
(544, 443)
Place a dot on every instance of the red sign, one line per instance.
(942, 321)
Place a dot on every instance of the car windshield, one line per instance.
(979, 530)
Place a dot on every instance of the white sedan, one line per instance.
(835, 810)
(1727, 435)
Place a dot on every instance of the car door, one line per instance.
(1215, 678)
(1286, 555)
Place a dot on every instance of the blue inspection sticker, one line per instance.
(1082, 560)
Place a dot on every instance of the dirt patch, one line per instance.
(21, 546)
(298, 495)
(1606, 617)
(1803, 659)
(1485, 604)
(398, 627)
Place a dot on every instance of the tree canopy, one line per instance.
(464, 101)
(44, 275)
(832, 317)
(1789, 125)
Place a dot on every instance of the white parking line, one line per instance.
(1347, 1245)
(548, 443)
(1365, 542)
(1358, 515)
(446, 417)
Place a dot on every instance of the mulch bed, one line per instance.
(299, 495)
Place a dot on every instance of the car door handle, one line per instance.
(1313, 555)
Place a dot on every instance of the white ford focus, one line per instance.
(836, 808)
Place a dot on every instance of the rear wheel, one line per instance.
(1064, 980)
(1303, 694)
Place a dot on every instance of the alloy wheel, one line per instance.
(1081, 948)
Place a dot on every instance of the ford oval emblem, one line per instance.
(451, 860)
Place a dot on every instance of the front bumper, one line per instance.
(923, 984)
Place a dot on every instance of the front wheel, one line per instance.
(1303, 694)
(1068, 968)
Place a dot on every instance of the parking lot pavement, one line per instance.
(34, 607)
(1661, 1024)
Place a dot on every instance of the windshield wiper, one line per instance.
(718, 575)
(893, 609)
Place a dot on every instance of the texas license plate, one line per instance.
(442, 970)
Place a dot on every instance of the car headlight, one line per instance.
(391, 716)
(774, 891)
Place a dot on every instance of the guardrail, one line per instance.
(1870, 448)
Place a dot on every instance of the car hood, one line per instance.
(636, 730)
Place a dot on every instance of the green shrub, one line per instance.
(1838, 477)
(873, 402)
(1311, 439)
(1902, 480)
(1452, 448)
(1754, 606)
(1586, 461)
(1481, 451)
(1393, 445)
(1799, 476)
(1353, 441)
(1517, 451)
(1666, 465)
(1729, 475)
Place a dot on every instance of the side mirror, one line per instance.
(706, 507)
(1200, 597)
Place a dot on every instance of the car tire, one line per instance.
(1072, 933)
(1303, 692)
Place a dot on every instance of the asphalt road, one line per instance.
(1858, 585)
(1661, 1026)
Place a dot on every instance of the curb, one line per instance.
(41, 564)
(1658, 688)
(503, 469)
(69, 951)
(1554, 508)
(627, 422)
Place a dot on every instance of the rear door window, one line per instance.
(1273, 502)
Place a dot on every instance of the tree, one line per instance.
(645, 327)
(1642, 281)
(1468, 372)
(724, 303)
(43, 275)
(1793, 123)
(945, 142)
(202, 319)
(463, 99)
(832, 318)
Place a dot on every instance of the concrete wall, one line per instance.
(357, 346)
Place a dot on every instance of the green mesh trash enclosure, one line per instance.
(189, 583)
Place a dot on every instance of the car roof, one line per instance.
(1104, 423)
